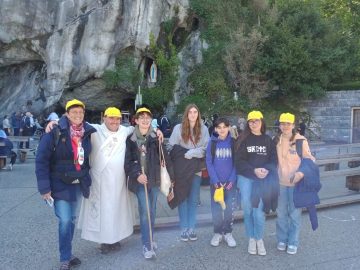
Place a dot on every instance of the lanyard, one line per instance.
(81, 154)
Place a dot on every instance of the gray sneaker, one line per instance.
(192, 236)
(184, 236)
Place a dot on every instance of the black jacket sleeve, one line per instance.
(132, 164)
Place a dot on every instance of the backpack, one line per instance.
(299, 144)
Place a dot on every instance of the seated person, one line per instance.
(6, 147)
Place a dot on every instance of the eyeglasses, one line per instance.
(285, 124)
(144, 118)
(253, 122)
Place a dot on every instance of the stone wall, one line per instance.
(333, 115)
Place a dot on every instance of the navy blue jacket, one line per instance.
(306, 191)
(6, 149)
(51, 162)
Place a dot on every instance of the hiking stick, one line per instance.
(148, 210)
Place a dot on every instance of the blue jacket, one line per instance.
(306, 191)
(51, 162)
(6, 149)
(220, 163)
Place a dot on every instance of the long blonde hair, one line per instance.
(185, 125)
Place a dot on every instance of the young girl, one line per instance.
(288, 217)
(255, 163)
(221, 168)
(192, 136)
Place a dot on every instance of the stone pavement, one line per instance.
(28, 235)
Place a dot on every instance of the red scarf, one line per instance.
(77, 131)
(76, 134)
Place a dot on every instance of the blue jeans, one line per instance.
(144, 223)
(288, 218)
(254, 218)
(66, 212)
(187, 209)
(223, 219)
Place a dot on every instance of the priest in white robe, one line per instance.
(106, 216)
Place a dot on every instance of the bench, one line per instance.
(15, 139)
(2, 158)
(339, 154)
(22, 152)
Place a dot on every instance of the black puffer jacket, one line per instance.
(133, 164)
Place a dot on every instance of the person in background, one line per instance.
(222, 172)
(256, 162)
(62, 172)
(302, 127)
(188, 141)
(6, 149)
(15, 122)
(165, 125)
(6, 125)
(26, 128)
(288, 217)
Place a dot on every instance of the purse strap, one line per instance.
(161, 154)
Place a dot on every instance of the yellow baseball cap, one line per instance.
(143, 109)
(254, 115)
(74, 102)
(112, 112)
(287, 118)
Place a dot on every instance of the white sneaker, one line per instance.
(260, 247)
(281, 246)
(217, 238)
(148, 254)
(10, 167)
(291, 250)
(252, 246)
(229, 239)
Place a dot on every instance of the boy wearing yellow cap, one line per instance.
(142, 166)
(288, 217)
(256, 169)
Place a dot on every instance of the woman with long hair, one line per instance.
(288, 217)
(190, 139)
(256, 168)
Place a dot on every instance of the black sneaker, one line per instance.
(75, 261)
(192, 236)
(184, 236)
(105, 248)
(65, 265)
(115, 247)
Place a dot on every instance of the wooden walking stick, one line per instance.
(148, 210)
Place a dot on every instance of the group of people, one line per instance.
(102, 162)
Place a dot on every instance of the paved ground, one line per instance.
(28, 235)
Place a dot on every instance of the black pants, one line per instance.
(26, 132)
(13, 157)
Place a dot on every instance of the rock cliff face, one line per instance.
(52, 50)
